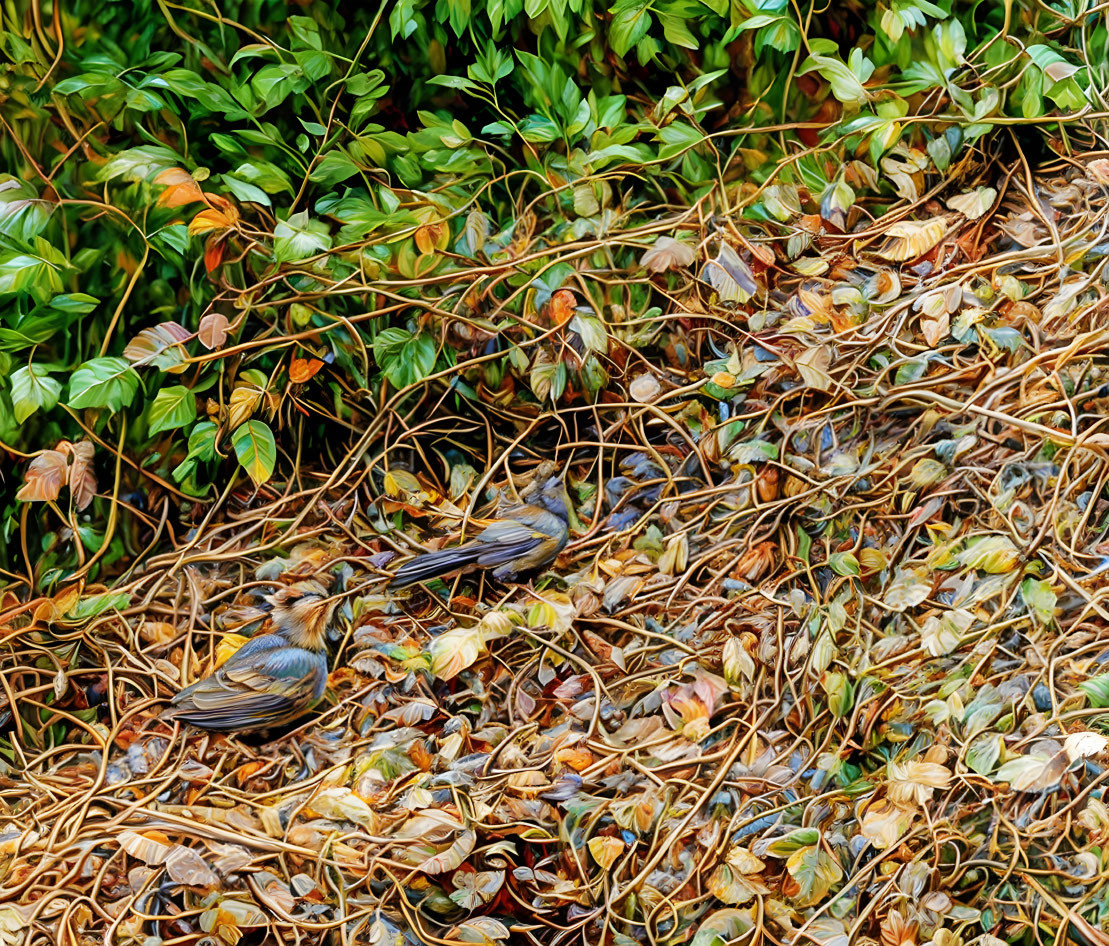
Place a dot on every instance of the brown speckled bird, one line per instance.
(271, 679)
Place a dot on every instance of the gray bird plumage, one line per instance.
(525, 538)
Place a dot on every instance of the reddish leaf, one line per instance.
(213, 254)
(45, 477)
(303, 369)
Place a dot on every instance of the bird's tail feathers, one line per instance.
(435, 564)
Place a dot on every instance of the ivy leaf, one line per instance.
(1039, 598)
(256, 450)
(299, 238)
(33, 389)
(630, 22)
(404, 358)
(814, 870)
(45, 477)
(172, 407)
(729, 276)
(846, 79)
(103, 382)
(161, 346)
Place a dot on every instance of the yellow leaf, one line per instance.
(909, 239)
(606, 851)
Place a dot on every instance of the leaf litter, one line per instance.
(822, 662)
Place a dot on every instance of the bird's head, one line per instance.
(302, 613)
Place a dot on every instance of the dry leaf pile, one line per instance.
(823, 663)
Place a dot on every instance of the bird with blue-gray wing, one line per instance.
(522, 539)
(272, 679)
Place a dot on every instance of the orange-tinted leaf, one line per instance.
(304, 369)
(213, 330)
(45, 477)
(180, 188)
(210, 220)
(82, 481)
(562, 306)
(431, 236)
(213, 254)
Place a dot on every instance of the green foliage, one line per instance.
(198, 196)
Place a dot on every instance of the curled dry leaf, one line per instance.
(644, 388)
(1085, 745)
(729, 276)
(150, 847)
(909, 239)
(973, 204)
(913, 782)
(161, 346)
(82, 480)
(185, 866)
(668, 253)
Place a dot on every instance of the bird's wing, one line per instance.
(265, 682)
(506, 539)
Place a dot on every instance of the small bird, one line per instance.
(271, 679)
(524, 538)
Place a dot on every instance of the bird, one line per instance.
(272, 679)
(524, 538)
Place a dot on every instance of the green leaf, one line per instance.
(815, 871)
(256, 450)
(790, 843)
(843, 563)
(138, 164)
(404, 358)
(22, 214)
(103, 382)
(299, 238)
(678, 137)
(630, 23)
(172, 407)
(202, 446)
(33, 389)
(1096, 690)
(97, 604)
(840, 690)
(37, 274)
(334, 168)
(846, 79)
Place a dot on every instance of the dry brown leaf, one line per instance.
(213, 330)
(45, 477)
(82, 481)
(668, 253)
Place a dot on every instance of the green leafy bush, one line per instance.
(230, 238)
